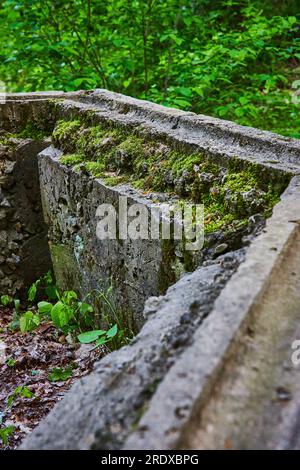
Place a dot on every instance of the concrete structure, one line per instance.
(211, 367)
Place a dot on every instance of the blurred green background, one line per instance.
(236, 60)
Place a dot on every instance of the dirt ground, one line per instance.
(30, 383)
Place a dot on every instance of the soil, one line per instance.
(27, 360)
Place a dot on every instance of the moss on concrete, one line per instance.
(30, 131)
(115, 156)
(72, 159)
(65, 267)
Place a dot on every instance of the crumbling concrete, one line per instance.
(23, 234)
(86, 263)
(231, 385)
(71, 194)
(103, 408)
(207, 354)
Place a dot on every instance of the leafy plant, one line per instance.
(68, 313)
(5, 300)
(11, 362)
(99, 337)
(5, 433)
(21, 391)
(58, 374)
(29, 321)
(104, 300)
(73, 317)
(44, 285)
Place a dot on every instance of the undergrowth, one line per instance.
(73, 317)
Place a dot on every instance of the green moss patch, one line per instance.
(229, 195)
(30, 131)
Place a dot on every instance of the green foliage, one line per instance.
(5, 433)
(21, 391)
(11, 362)
(99, 337)
(60, 375)
(70, 315)
(29, 321)
(5, 300)
(232, 59)
(43, 286)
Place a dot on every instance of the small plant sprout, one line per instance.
(5, 434)
(5, 300)
(11, 362)
(60, 375)
(21, 391)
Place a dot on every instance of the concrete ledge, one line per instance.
(190, 382)
(223, 138)
(103, 408)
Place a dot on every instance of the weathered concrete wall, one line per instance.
(237, 379)
(131, 140)
(105, 407)
(81, 260)
(186, 379)
(209, 369)
(28, 108)
(23, 234)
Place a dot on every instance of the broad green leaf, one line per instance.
(45, 307)
(58, 374)
(56, 313)
(29, 321)
(112, 332)
(90, 336)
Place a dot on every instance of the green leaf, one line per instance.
(5, 433)
(100, 342)
(45, 307)
(243, 100)
(90, 336)
(112, 332)
(5, 300)
(29, 321)
(51, 292)
(32, 291)
(59, 375)
(69, 296)
(25, 392)
(11, 362)
(21, 391)
(85, 308)
(61, 314)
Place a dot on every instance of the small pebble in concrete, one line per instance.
(221, 248)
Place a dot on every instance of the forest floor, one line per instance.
(36, 370)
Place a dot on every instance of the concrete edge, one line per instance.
(204, 125)
(174, 403)
(223, 139)
(217, 139)
(100, 409)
